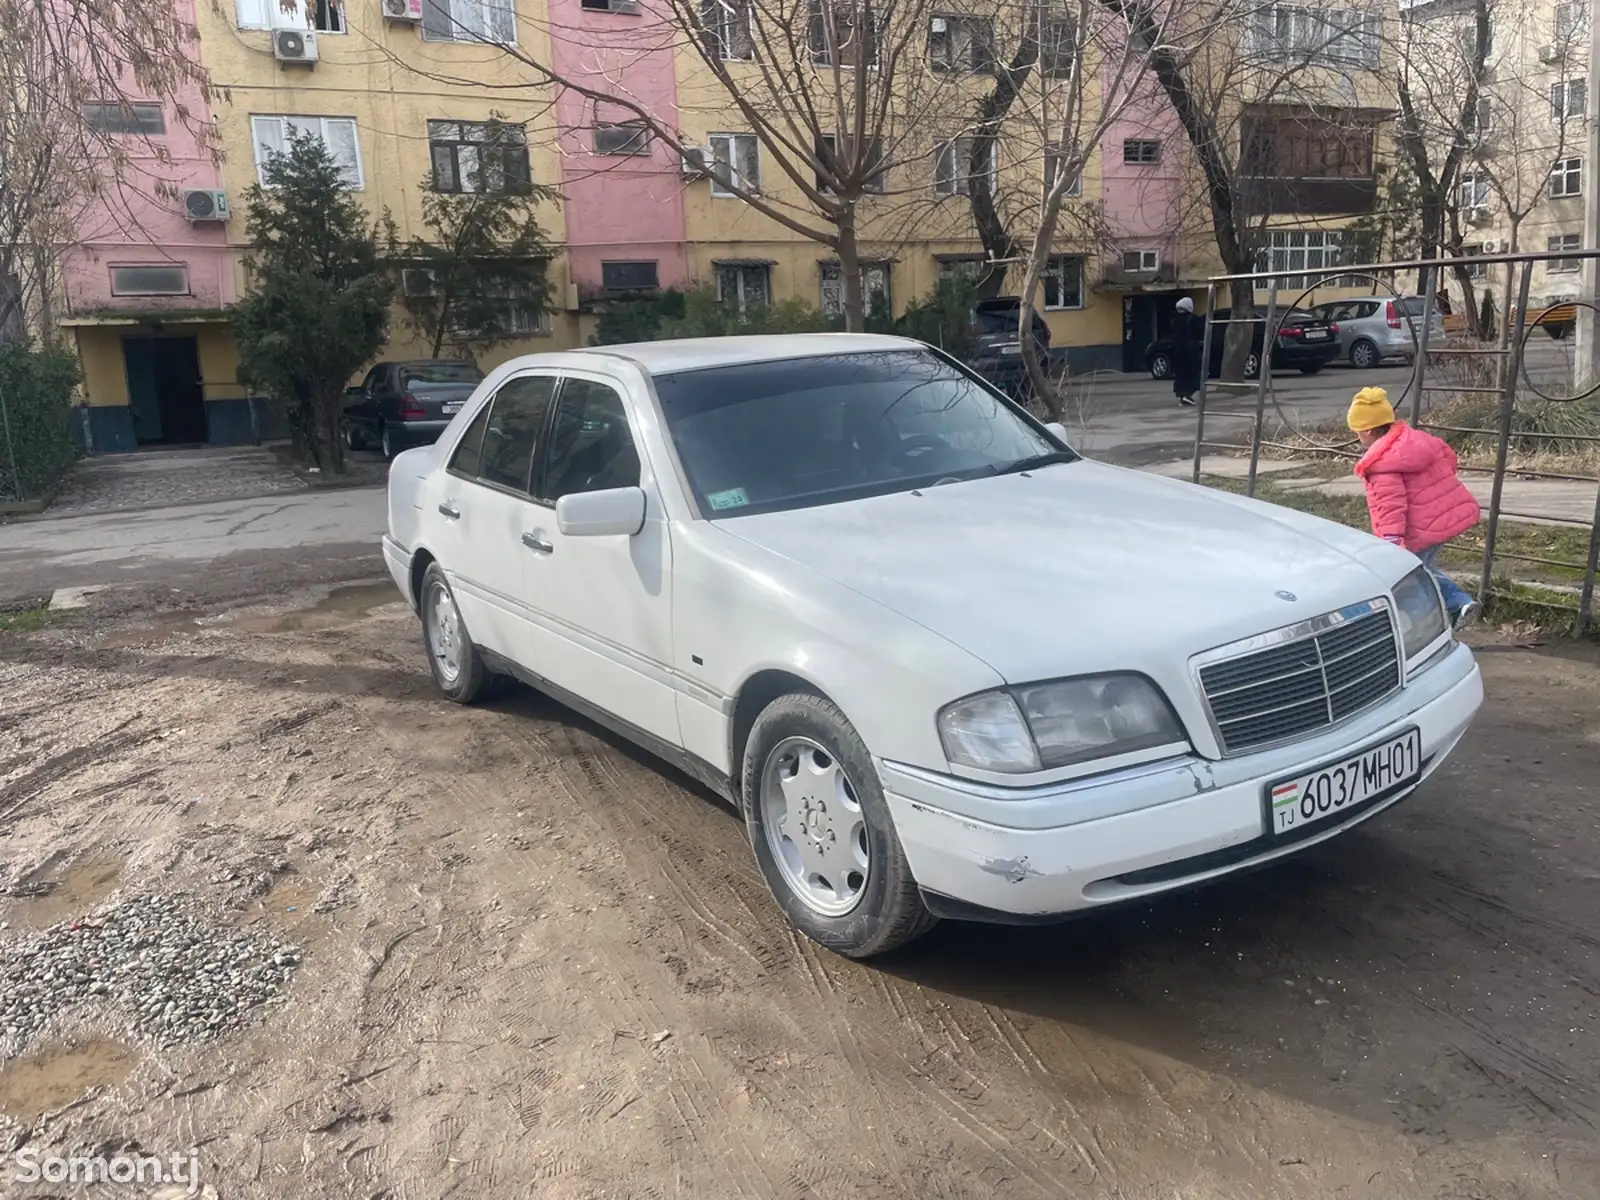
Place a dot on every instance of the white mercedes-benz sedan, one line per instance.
(944, 666)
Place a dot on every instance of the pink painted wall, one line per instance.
(133, 224)
(623, 208)
(1146, 204)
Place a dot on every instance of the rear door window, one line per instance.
(516, 422)
(468, 450)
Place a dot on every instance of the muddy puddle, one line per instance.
(48, 1079)
(155, 629)
(338, 608)
(52, 895)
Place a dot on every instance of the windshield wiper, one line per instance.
(1037, 460)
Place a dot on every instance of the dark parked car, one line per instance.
(996, 352)
(1305, 343)
(404, 404)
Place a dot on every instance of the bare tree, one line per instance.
(84, 89)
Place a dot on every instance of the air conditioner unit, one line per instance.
(1552, 53)
(403, 10)
(1490, 246)
(205, 204)
(693, 164)
(417, 281)
(1478, 214)
(294, 46)
(940, 25)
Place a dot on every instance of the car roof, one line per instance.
(693, 354)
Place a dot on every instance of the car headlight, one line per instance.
(1046, 725)
(1421, 612)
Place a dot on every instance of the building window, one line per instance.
(326, 16)
(1568, 99)
(874, 288)
(1296, 146)
(629, 276)
(961, 43)
(725, 30)
(478, 156)
(153, 280)
(828, 149)
(1052, 168)
(1300, 250)
(1475, 270)
(621, 138)
(843, 33)
(1563, 241)
(1480, 120)
(470, 21)
(1063, 281)
(1058, 45)
(953, 167)
(524, 314)
(338, 134)
(1141, 152)
(963, 266)
(1318, 36)
(1472, 194)
(1569, 21)
(614, 6)
(135, 117)
(1566, 177)
(743, 285)
(735, 163)
(1141, 262)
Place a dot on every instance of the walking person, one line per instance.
(1188, 337)
(1414, 496)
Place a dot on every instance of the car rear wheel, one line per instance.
(1160, 366)
(1252, 365)
(457, 667)
(352, 437)
(389, 443)
(822, 833)
(1364, 355)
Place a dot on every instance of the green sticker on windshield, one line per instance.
(732, 498)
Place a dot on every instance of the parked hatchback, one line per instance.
(929, 652)
(404, 404)
(1305, 343)
(1373, 328)
(996, 350)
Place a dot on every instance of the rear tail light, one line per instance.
(1289, 331)
(1392, 314)
(1333, 327)
(411, 408)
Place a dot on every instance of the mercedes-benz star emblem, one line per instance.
(1283, 595)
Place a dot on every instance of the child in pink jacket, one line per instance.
(1414, 496)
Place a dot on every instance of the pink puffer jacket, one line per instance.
(1413, 493)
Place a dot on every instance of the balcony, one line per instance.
(1316, 197)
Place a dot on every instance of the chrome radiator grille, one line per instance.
(1315, 676)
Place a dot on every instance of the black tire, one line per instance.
(353, 438)
(473, 681)
(1364, 354)
(388, 443)
(1160, 366)
(890, 912)
(1252, 365)
(1312, 368)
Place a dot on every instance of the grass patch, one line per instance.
(25, 620)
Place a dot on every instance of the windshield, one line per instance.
(420, 376)
(761, 437)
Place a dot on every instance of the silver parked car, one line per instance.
(1374, 328)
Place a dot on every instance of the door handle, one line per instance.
(533, 542)
(449, 510)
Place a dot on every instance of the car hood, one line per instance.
(1081, 567)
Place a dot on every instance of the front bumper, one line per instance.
(1030, 854)
(398, 559)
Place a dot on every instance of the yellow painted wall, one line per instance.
(105, 377)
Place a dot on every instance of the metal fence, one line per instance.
(1508, 378)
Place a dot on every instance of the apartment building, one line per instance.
(403, 93)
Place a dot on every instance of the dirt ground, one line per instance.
(538, 964)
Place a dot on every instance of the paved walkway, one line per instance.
(158, 478)
(1538, 501)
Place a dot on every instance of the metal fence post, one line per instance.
(1419, 369)
(1205, 374)
(1508, 403)
(1269, 339)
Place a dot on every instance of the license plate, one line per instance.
(1338, 787)
(1011, 348)
(1316, 335)
(452, 407)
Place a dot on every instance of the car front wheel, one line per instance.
(1160, 366)
(822, 833)
(453, 658)
(1252, 366)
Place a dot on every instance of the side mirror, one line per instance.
(355, 393)
(1058, 429)
(601, 514)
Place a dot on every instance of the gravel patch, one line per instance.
(178, 976)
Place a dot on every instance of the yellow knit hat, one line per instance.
(1370, 410)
